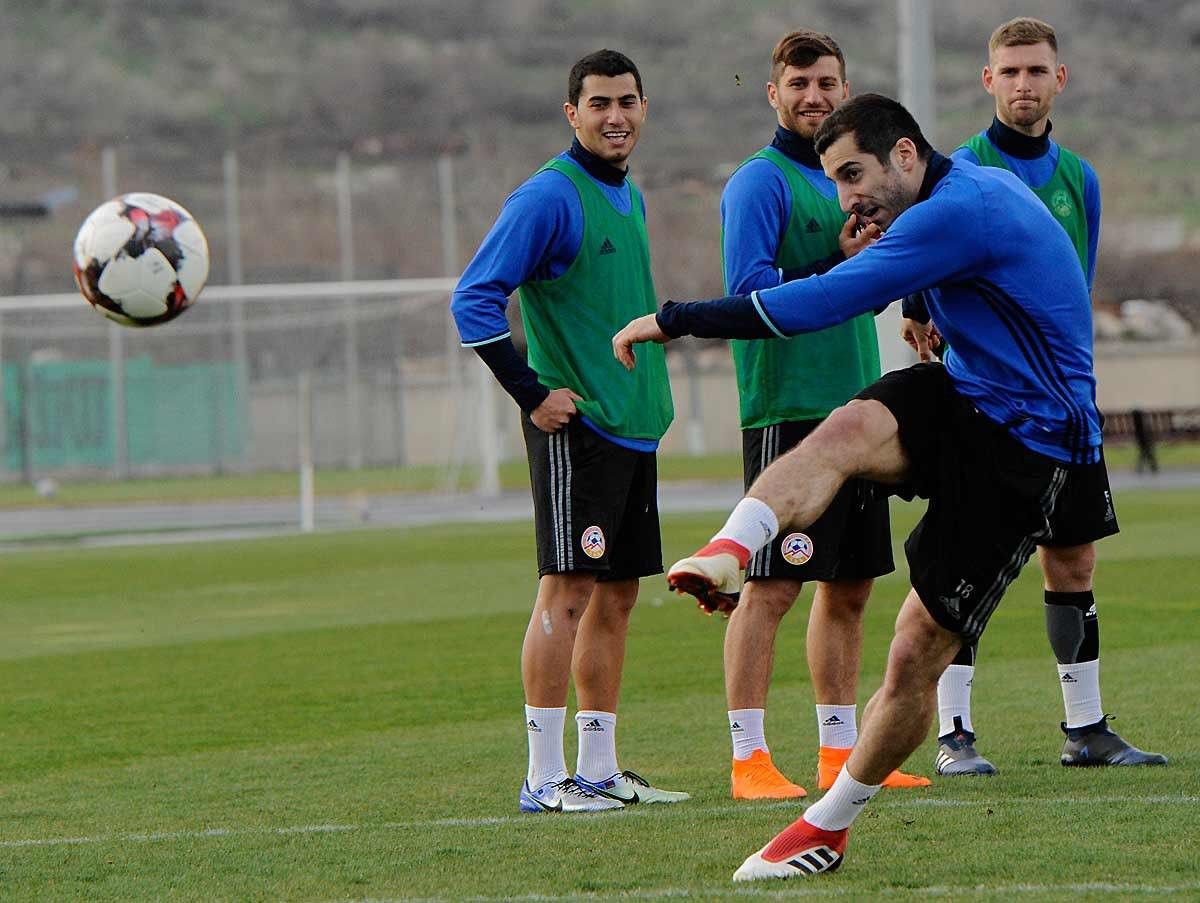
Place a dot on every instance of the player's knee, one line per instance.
(772, 598)
(844, 600)
(920, 650)
(1069, 569)
(844, 437)
(615, 600)
(565, 597)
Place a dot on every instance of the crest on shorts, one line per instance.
(593, 542)
(1060, 203)
(797, 548)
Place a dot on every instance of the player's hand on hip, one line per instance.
(555, 411)
(643, 329)
(921, 337)
(854, 237)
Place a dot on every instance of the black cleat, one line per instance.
(1096, 744)
(956, 755)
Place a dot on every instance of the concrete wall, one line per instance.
(427, 422)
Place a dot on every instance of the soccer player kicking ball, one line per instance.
(572, 239)
(781, 221)
(1024, 76)
(988, 438)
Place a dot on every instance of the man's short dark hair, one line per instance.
(602, 62)
(801, 49)
(876, 122)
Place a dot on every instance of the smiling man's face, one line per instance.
(804, 97)
(609, 116)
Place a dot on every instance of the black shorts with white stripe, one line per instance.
(852, 540)
(990, 497)
(595, 504)
(1084, 512)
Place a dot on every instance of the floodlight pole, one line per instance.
(304, 420)
(915, 59)
(486, 427)
(116, 344)
(345, 223)
(237, 313)
(916, 64)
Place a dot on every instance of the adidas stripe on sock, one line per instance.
(544, 728)
(746, 732)
(597, 745)
(954, 699)
(841, 804)
(1080, 684)
(837, 726)
(752, 525)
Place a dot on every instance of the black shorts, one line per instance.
(990, 497)
(595, 504)
(1084, 512)
(852, 540)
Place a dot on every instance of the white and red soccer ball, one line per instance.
(140, 259)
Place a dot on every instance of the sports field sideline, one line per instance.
(337, 717)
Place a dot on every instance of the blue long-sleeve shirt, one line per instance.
(536, 236)
(1034, 161)
(756, 206)
(1011, 301)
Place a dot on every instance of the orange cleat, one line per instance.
(831, 760)
(757, 778)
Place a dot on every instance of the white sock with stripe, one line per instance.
(954, 698)
(837, 725)
(547, 762)
(746, 732)
(841, 804)
(597, 745)
(752, 525)
(1080, 684)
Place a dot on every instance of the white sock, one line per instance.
(751, 525)
(1080, 684)
(546, 759)
(954, 698)
(837, 725)
(746, 731)
(597, 745)
(841, 804)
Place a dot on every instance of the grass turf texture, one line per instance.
(338, 717)
(514, 474)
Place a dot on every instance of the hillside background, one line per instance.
(172, 86)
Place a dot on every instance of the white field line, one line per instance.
(724, 809)
(800, 888)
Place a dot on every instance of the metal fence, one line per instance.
(218, 389)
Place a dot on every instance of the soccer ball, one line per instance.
(140, 259)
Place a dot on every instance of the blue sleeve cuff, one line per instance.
(914, 307)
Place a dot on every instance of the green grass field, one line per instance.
(338, 717)
(514, 474)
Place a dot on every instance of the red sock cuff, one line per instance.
(727, 546)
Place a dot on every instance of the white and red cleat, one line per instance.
(713, 575)
(799, 849)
